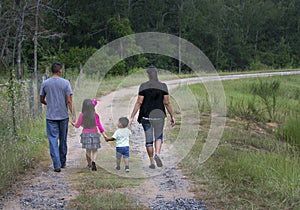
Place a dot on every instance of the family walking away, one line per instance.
(89, 120)
(56, 94)
(122, 136)
(153, 99)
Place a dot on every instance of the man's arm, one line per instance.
(169, 108)
(71, 107)
(43, 100)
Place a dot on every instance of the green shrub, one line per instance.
(290, 132)
(267, 91)
(245, 109)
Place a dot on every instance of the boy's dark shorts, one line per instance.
(122, 151)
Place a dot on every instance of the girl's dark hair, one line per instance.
(88, 111)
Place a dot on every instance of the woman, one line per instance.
(153, 98)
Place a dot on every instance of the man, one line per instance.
(56, 94)
(153, 98)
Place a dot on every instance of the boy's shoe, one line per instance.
(152, 166)
(118, 168)
(94, 168)
(127, 168)
(158, 161)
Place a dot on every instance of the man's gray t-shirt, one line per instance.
(56, 89)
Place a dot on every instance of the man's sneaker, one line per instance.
(63, 165)
(127, 168)
(57, 170)
(94, 168)
(118, 168)
(158, 161)
(152, 166)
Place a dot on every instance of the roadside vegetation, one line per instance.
(22, 138)
(256, 165)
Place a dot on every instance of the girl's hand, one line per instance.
(106, 138)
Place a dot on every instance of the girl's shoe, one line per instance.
(152, 166)
(94, 168)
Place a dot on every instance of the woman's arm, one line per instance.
(136, 107)
(169, 109)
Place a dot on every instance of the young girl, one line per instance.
(90, 138)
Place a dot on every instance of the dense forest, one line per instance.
(234, 34)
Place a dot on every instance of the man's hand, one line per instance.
(73, 118)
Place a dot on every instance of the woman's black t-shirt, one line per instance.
(153, 103)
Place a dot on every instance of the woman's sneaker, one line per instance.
(158, 161)
(94, 167)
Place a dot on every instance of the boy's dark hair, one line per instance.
(124, 121)
(56, 67)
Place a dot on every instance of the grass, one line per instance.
(102, 190)
(17, 156)
(251, 168)
(116, 201)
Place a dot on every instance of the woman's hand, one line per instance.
(172, 120)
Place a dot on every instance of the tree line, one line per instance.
(234, 34)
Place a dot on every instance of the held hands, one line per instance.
(130, 122)
(73, 119)
(105, 136)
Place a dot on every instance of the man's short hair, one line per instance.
(124, 121)
(56, 67)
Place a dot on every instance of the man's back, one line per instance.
(56, 89)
